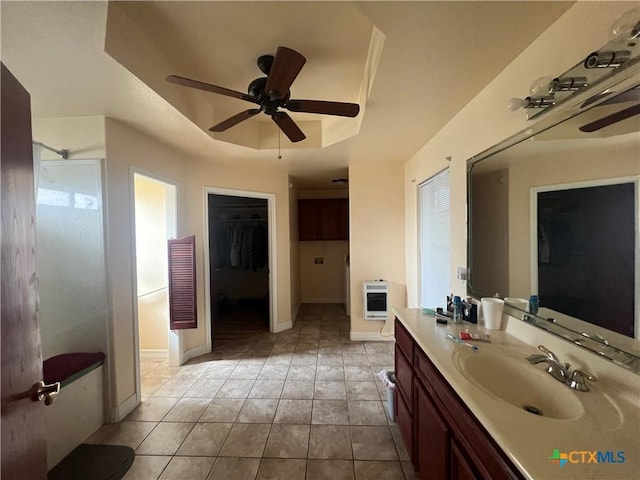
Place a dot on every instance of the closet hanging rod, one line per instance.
(64, 153)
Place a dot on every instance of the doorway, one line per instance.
(155, 223)
(239, 284)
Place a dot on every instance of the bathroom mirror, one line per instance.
(555, 211)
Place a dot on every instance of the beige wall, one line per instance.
(83, 137)
(486, 121)
(376, 233)
(153, 321)
(294, 249)
(323, 283)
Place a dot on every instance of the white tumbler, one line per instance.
(520, 303)
(492, 312)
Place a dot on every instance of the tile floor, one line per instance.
(302, 404)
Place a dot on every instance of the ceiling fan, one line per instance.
(271, 93)
(631, 95)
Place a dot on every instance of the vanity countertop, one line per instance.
(610, 421)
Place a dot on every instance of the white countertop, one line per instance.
(609, 423)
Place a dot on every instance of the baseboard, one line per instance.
(154, 353)
(281, 327)
(118, 413)
(370, 337)
(195, 352)
(322, 300)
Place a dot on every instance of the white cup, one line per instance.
(520, 304)
(492, 312)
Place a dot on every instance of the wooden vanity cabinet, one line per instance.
(445, 441)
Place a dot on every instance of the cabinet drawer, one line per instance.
(404, 378)
(425, 370)
(404, 340)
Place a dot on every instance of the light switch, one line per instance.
(318, 260)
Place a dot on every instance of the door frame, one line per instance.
(272, 264)
(175, 344)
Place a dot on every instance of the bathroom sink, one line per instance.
(510, 378)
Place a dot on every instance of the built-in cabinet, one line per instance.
(323, 219)
(444, 440)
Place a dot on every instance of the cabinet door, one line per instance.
(308, 220)
(431, 437)
(460, 467)
(405, 424)
(404, 378)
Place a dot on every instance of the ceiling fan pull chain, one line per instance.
(279, 156)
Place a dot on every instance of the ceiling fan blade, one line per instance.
(187, 82)
(328, 108)
(286, 67)
(626, 96)
(288, 126)
(236, 119)
(611, 119)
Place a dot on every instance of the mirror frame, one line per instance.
(624, 353)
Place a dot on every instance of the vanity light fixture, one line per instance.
(627, 26)
(610, 59)
(565, 84)
(531, 102)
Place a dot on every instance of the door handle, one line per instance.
(42, 391)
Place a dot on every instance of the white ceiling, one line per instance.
(436, 56)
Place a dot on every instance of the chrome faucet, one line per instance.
(555, 368)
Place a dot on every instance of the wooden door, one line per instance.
(431, 437)
(23, 438)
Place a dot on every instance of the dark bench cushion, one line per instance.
(67, 367)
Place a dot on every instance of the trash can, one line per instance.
(389, 380)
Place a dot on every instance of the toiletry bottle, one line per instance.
(533, 304)
(457, 309)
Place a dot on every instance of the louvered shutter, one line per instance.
(182, 283)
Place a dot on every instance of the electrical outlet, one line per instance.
(318, 260)
(463, 273)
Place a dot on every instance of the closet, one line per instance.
(239, 266)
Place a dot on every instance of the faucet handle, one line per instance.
(549, 353)
(578, 380)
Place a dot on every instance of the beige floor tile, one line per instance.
(302, 372)
(330, 442)
(287, 441)
(205, 440)
(192, 468)
(330, 390)
(330, 470)
(205, 388)
(192, 370)
(187, 410)
(329, 359)
(219, 371)
(298, 389)
(258, 410)
(279, 469)
(267, 389)
(397, 439)
(153, 409)
(233, 468)
(273, 372)
(355, 359)
(175, 387)
(246, 440)
(330, 372)
(255, 357)
(279, 359)
(373, 443)
(294, 411)
(378, 470)
(358, 373)
(164, 439)
(222, 410)
(235, 388)
(149, 386)
(330, 412)
(409, 472)
(362, 391)
(130, 434)
(353, 347)
(146, 467)
(306, 358)
(246, 371)
(367, 412)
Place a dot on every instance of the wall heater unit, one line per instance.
(375, 300)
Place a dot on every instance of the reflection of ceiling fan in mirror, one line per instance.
(629, 96)
(271, 93)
